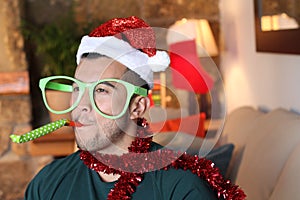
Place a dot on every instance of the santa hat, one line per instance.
(131, 42)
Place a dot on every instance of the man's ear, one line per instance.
(138, 106)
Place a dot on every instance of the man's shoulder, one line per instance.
(174, 175)
(58, 179)
(68, 161)
(61, 166)
(179, 183)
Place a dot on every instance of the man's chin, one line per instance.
(92, 149)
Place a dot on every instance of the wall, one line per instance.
(251, 78)
(15, 108)
(160, 13)
(16, 169)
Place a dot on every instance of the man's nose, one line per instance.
(85, 104)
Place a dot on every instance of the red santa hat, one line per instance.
(131, 42)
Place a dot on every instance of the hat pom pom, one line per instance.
(159, 62)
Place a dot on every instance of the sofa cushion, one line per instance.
(221, 156)
(178, 141)
(238, 127)
(184, 142)
(287, 186)
(267, 150)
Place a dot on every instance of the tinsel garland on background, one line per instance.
(139, 160)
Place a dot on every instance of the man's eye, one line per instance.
(101, 90)
(75, 89)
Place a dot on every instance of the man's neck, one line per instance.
(120, 147)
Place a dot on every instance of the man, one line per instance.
(117, 159)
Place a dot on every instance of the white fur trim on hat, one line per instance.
(124, 53)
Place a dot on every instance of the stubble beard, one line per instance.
(108, 134)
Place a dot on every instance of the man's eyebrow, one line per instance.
(108, 84)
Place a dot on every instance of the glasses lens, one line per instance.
(58, 93)
(110, 97)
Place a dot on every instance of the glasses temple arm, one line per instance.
(140, 91)
(59, 87)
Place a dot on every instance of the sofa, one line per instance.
(266, 155)
(265, 159)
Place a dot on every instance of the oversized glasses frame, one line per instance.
(45, 83)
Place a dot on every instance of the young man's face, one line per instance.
(99, 133)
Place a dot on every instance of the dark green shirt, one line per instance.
(70, 178)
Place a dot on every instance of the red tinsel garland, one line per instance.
(139, 160)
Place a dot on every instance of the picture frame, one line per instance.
(280, 41)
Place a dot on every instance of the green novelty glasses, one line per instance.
(109, 97)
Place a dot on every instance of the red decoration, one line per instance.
(132, 166)
(137, 32)
(187, 72)
(193, 124)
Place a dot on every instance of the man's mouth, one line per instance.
(75, 124)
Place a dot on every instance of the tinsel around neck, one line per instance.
(140, 160)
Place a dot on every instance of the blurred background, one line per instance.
(40, 38)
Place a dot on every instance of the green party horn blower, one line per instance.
(44, 130)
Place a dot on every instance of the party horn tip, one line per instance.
(74, 124)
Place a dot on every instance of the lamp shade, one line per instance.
(194, 29)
